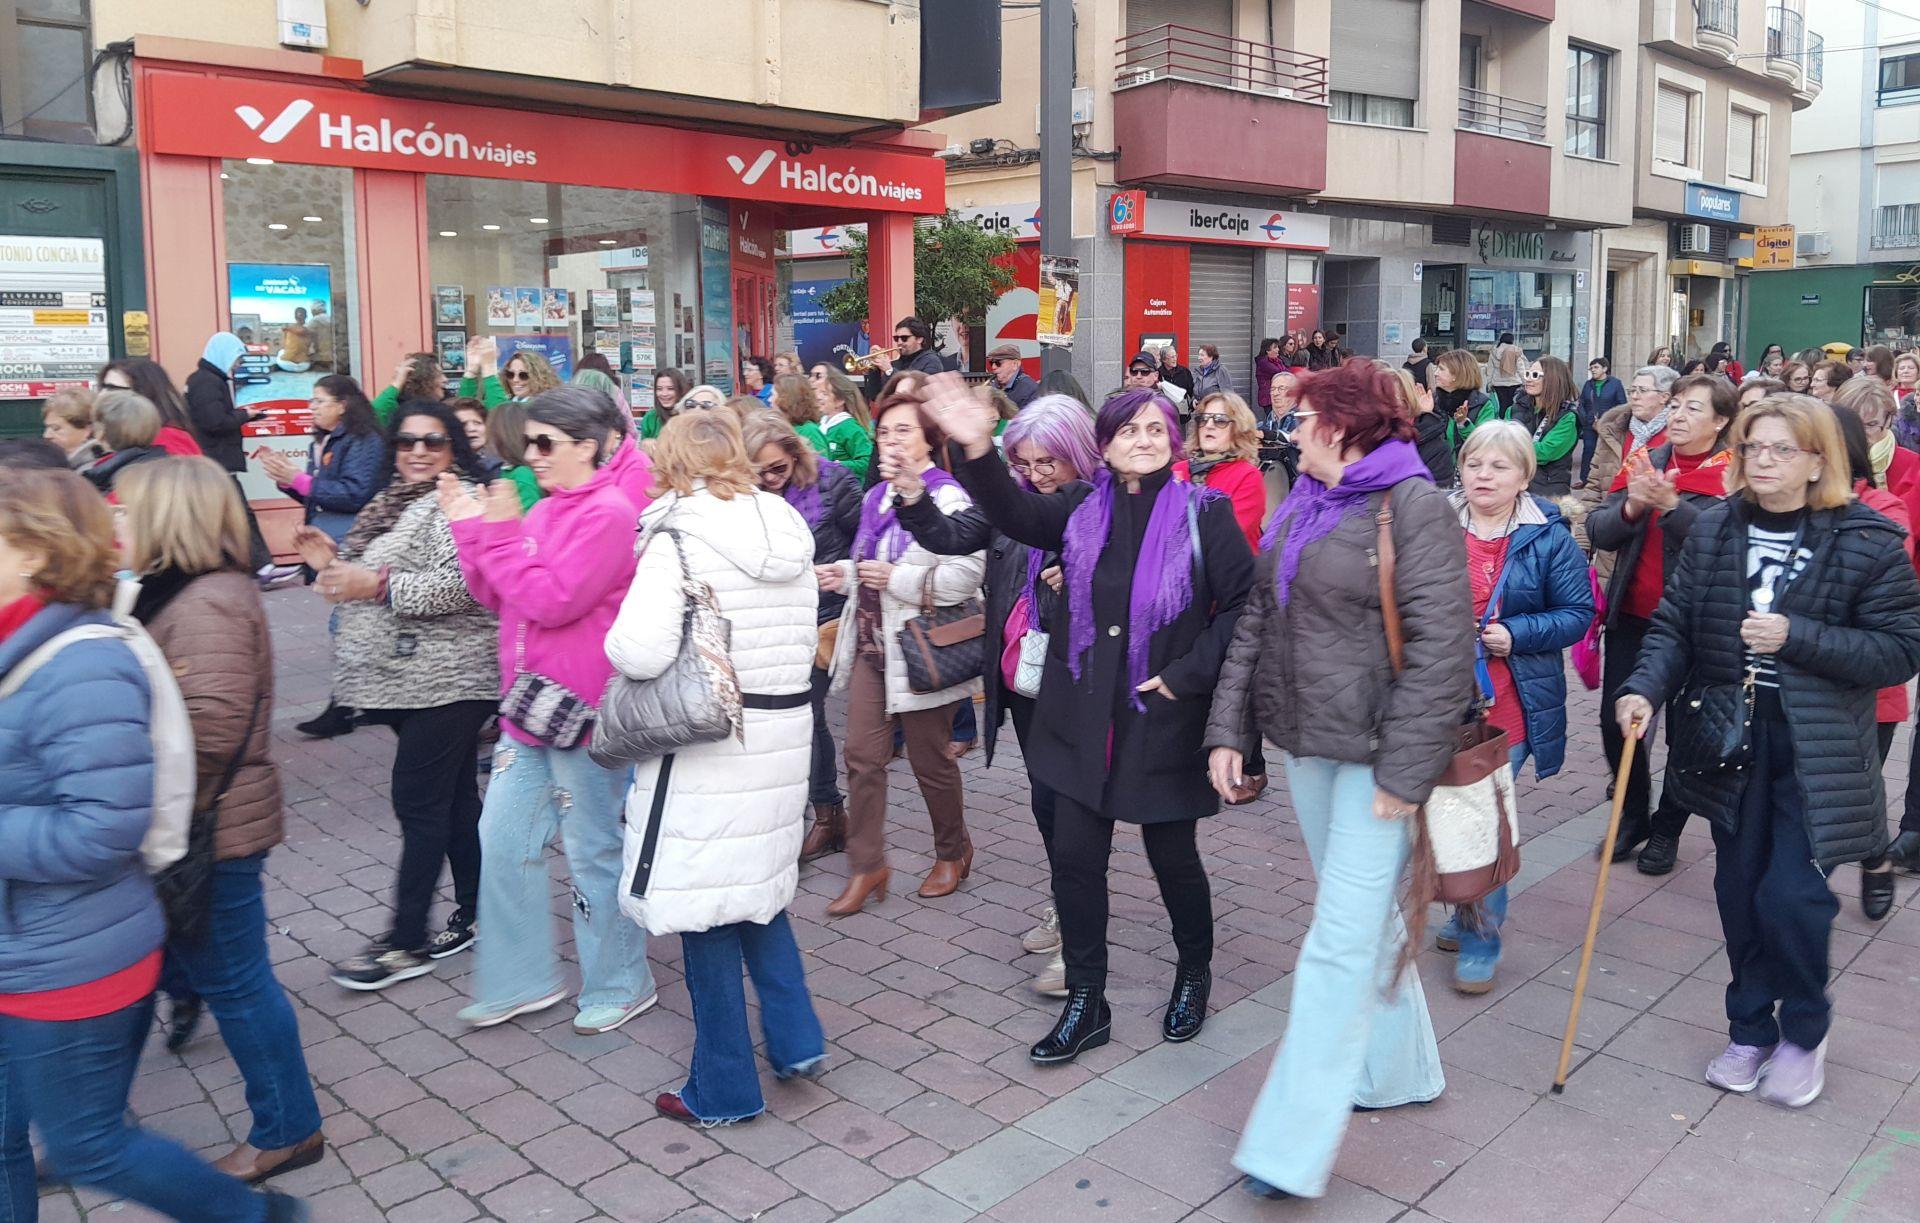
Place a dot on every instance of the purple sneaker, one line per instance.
(1795, 1076)
(1740, 1067)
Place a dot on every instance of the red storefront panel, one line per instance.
(1155, 300)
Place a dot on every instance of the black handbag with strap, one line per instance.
(185, 889)
(944, 646)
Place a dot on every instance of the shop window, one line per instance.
(45, 68)
(1893, 316)
(566, 271)
(1588, 84)
(1899, 79)
(1537, 307)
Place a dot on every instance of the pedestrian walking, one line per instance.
(1049, 448)
(1309, 668)
(217, 423)
(148, 378)
(126, 424)
(1156, 571)
(670, 386)
(1268, 362)
(713, 830)
(1793, 605)
(1657, 497)
(414, 651)
(1172, 371)
(1209, 376)
(420, 376)
(1431, 427)
(185, 537)
(85, 933)
(1599, 394)
(1504, 367)
(1223, 444)
(1531, 601)
(1640, 425)
(555, 578)
(827, 497)
(1322, 352)
(1547, 394)
(1015, 383)
(889, 579)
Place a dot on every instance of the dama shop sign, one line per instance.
(313, 124)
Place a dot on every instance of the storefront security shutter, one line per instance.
(1212, 16)
(1376, 48)
(1220, 310)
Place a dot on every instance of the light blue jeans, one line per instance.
(1354, 1034)
(533, 790)
(1485, 942)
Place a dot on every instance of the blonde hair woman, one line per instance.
(1223, 442)
(66, 420)
(795, 401)
(1457, 394)
(1794, 605)
(721, 822)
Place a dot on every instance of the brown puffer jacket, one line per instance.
(214, 632)
(1315, 678)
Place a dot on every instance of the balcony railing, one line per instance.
(1495, 115)
(1721, 17)
(1180, 53)
(1816, 59)
(1896, 226)
(1786, 34)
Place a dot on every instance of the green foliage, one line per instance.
(954, 273)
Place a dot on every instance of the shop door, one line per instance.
(1440, 316)
(1220, 292)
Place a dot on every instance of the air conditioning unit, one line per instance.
(1812, 245)
(1696, 239)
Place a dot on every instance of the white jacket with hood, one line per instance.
(728, 848)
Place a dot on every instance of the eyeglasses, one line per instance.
(1039, 467)
(546, 443)
(1212, 418)
(434, 442)
(1782, 452)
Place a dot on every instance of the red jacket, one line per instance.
(1890, 704)
(1242, 482)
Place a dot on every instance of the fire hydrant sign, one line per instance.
(53, 314)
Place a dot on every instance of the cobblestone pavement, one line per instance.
(932, 1111)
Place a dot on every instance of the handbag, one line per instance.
(828, 642)
(943, 646)
(545, 708)
(695, 700)
(185, 889)
(1715, 735)
(1586, 651)
(1469, 828)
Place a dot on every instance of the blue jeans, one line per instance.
(534, 790)
(231, 970)
(723, 1083)
(70, 1079)
(1485, 942)
(1355, 1035)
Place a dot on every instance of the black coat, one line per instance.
(926, 361)
(1610, 530)
(1180, 376)
(216, 422)
(1854, 628)
(1436, 447)
(1021, 390)
(1088, 741)
(967, 532)
(104, 474)
(839, 523)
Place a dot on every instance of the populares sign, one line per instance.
(313, 124)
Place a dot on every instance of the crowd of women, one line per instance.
(500, 560)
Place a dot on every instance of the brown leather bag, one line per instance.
(944, 646)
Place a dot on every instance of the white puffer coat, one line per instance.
(955, 580)
(729, 843)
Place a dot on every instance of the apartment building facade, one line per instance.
(1855, 192)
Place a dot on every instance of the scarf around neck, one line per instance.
(1314, 509)
(1881, 452)
(1162, 585)
(1644, 431)
(879, 525)
(379, 515)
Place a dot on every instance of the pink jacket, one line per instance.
(557, 576)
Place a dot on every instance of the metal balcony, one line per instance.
(1896, 227)
(1716, 26)
(1179, 53)
(1786, 44)
(1495, 115)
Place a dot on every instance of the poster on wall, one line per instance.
(53, 314)
(557, 349)
(553, 307)
(817, 339)
(1303, 308)
(606, 307)
(526, 307)
(1059, 300)
(1014, 318)
(453, 350)
(281, 312)
(716, 299)
(449, 306)
(499, 306)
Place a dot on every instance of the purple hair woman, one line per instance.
(1049, 445)
(1156, 571)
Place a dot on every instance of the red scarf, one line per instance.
(1706, 478)
(14, 615)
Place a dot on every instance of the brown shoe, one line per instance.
(253, 1165)
(945, 877)
(957, 748)
(860, 887)
(1251, 787)
(828, 834)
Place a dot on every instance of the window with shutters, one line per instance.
(46, 50)
(1675, 135)
(1746, 146)
(1374, 71)
(1896, 217)
(1588, 85)
(1899, 79)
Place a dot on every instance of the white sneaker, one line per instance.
(1051, 981)
(487, 1015)
(594, 1020)
(1044, 937)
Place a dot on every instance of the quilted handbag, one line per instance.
(1712, 729)
(695, 700)
(545, 708)
(1469, 827)
(944, 646)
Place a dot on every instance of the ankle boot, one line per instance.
(946, 876)
(860, 887)
(828, 834)
(1187, 1008)
(1085, 1023)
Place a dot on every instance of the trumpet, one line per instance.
(861, 364)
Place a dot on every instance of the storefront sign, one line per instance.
(1155, 296)
(1712, 203)
(1303, 307)
(716, 298)
(1014, 318)
(53, 314)
(1021, 222)
(1497, 246)
(815, 243)
(1126, 212)
(1773, 246)
(1228, 224)
(137, 327)
(1059, 300)
(311, 124)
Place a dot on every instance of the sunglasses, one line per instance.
(1212, 418)
(434, 442)
(516, 375)
(902, 339)
(776, 470)
(546, 443)
(1142, 369)
(1534, 375)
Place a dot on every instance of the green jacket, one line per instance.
(813, 436)
(849, 444)
(489, 389)
(651, 424)
(523, 479)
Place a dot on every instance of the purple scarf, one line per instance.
(878, 529)
(1315, 510)
(1162, 575)
(806, 501)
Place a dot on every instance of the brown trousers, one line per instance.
(870, 750)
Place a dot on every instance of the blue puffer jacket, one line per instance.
(1546, 602)
(348, 469)
(76, 796)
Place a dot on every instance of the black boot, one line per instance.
(1630, 837)
(1905, 851)
(1187, 1009)
(333, 721)
(1085, 1023)
(1659, 855)
(1876, 890)
(182, 1022)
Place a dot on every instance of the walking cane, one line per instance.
(1599, 895)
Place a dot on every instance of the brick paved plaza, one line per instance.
(932, 1112)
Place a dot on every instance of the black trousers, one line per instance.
(436, 798)
(1910, 817)
(1619, 653)
(1044, 802)
(258, 554)
(1775, 906)
(1082, 843)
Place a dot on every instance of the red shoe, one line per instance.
(669, 1105)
